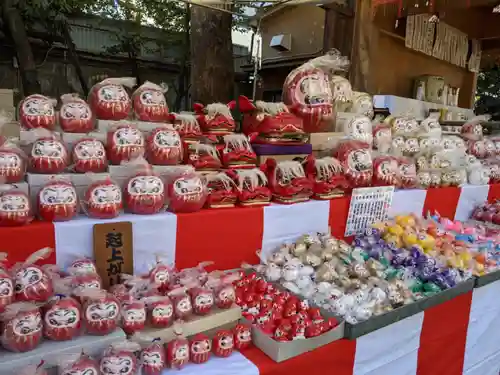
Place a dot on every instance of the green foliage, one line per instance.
(488, 92)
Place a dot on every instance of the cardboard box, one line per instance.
(6, 98)
(52, 351)
(11, 130)
(324, 141)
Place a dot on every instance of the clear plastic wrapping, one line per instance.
(57, 200)
(215, 118)
(133, 315)
(120, 358)
(472, 130)
(203, 157)
(237, 152)
(356, 160)
(186, 125)
(33, 283)
(386, 171)
(149, 102)
(89, 156)
(48, 155)
(15, 207)
(6, 285)
(186, 190)
(102, 199)
(164, 146)
(101, 311)
(37, 111)
(124, 143)
(21, 328)
(359, 127)
(75, 115)
(78, 363)
(178, 350)
(109, 100)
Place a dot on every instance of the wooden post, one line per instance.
(364, 47)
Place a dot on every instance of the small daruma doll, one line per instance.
(21, 327)
(109, 100)
(153, 359)
(133, 316)
(103, 200)
(356, 161)
(149, 102)
(78, 364)
(200, 348)
(101, 311)
(6, 286)
(178, 350)
(89, 155)
(242, 336)
(120, 359)
(32, 283)
(223, 343)
(37, 111)
(202, 300)
(186, 191)
(75, 115)
(144, 193)
(15, 208)
(125, 143)
(164, 147)
(12, 162)
(48, 155)
(62, 318)
(161, 275)
(183, 308)
(160, 310)
(57, 201)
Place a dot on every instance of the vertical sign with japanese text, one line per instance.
(113, 251)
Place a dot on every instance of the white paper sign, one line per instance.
(368, 206)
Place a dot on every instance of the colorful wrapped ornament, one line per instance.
(183, 307)
(200, 348)
(223, 343)
(125, 143)
(15, 207)
(221, 191)
(327, 176)
(215, 118)
(186, 125)
(178, 350)
(164, 147)
(6, 285)
(109, 100)
(203, 157)
(103, 200)
(57, 201)
(37, 111)
(21, 327)
(12, 161)
(144, 193)
(242, 336)
(62, 317)
(407, 173)
(237, 152)
(186, 191)
(386, 171)
(101, 311)
(79, 363)
(120, 359)
(48, 155)
(357, 162)
(32, 283)
(149, 102)
(287, 181)
(133, 315)
(160, 310)
(270, 123)
(75, 115)
(89, 156)
(252, 187)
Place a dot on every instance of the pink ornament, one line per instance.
(202, 299)
(160, 310)
(200, 348)
(133, 316)
(83, 364)
(183, 307)
(120, 359)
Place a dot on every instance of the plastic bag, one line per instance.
(48, 154)
(149, 102)
(357, 162)
(186, 125)
(203, 157)
(237, 152)
(382, 136)
(178, 350)
(89, 156)
(13, 160)
(57, 200)
(101, 311)
(407, 172)
(37, 111)
(109, 100)
(120, 359)
(307, 91)
(406, 126)
(21, 327)
(6, 285)
(32, 283)
(82, 265)
(15, 207)
(183, 308)
(103, 200)
(124, 143)
(252, 186)
(153, 359)
(215, 118)
(221, 191)
(78, 363)
(160, 311)
(202, 300)
(75, 115)
(144, 192)
(186, 190)
(164, 147)
(362, 104)
(200, 348)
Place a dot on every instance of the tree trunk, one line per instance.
(132, 54)
(74, 58)
(184, 73)
(17, 32)
(212, 66)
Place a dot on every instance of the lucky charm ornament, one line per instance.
(178, 350)
(79, 363)
(242, 336)
(149, 102)
(133, 315)
(62, 317)
(15, 207)
(357, 162)
(75, 115)
(153, 359)
(164, 147)
(160, 311)
(37, 111)
(6, 285)
(252, 186)
(183, 308)
(327, 176)
(200, 348)
(89, 156)
(186, 125)
(109, 100)
(287, 181)
(237, 152)
(32, 283)
(21, 328)
(223, 343)
(125, 143)
(203, 157)
(222, 191)
(386, 171)
(120, 359)
(359, 128)
(57, 201)
(103, 200)
(101, 311)
(215, 118)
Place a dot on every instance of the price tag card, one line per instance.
(368, 206)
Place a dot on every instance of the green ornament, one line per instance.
(431, 287)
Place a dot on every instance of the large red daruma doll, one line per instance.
(62, 318)
(307, 93)
(125, 143)
(37, 111)
(357, 162)
(149, 102)
(386, 171)
(103, 200)
(144, 194)
(186, 191)
(15, 208)
(89, 156)
(57, 201)
(48, 156)
(12, 163)
(21, 327)
(164, 147)
(33, 283)
(109, 100)
(75, 115)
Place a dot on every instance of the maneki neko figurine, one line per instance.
(215, 118)
(109, 100)
(149, 102)
(327, 177)
(222, 191)
(203, 157)
(287, 181)
(252, 186)
(271, 123)
(186, 125)
(237, 152)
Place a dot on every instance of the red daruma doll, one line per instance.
(223, 343)
(21, 327)
(161, 275)
(150, 103)
(200, 348)
(186, 190)
(181, 301)
(133, 315)
(13, 162)
(109, 100)
(62, 318)
(178, 350)
(103, 200)
(101, 311)
(37, 111)
(160, 311)
(57, 201)
(164, 147)
(242, 336)
(120, 359)
(32, 283)
(357, 162)
(15, 207)
(75, 115)
(78, 363)
(6, 285)
(89, 155)
(202, 300)
(48, 154)
(153, 358)
(124, 143)
(224, 291)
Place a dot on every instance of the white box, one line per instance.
(146, 127)
(21, 186)
(70, 139)
(121, 173)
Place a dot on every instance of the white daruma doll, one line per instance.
(75, 115)
(21, 327)
(109, 100)
(89, 155)
(57, 201)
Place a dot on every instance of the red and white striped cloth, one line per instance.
(455, 338)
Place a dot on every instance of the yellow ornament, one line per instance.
(393, 239)
(396, 230)
(426, 241)
(405, 221)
